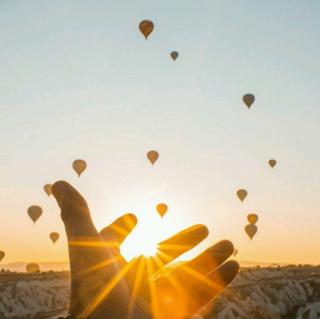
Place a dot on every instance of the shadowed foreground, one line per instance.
(256, 293)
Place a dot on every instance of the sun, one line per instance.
(144, 239)
(152, 227)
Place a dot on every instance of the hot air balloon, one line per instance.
(34, 212)
(32, 268)
(252, 218)
(79, 166)
(2, 255)
(251, 230)
(174, 55)
(146, 27)
(272, 163)
(242, 194)
(162, 209)
(248, 100)
(47, 188)
(235, 252)
(54, 237)
(153, 156)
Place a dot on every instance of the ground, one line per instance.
(257, 293)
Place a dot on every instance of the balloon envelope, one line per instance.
(174, 55)
(79, 166)
(146, 27)
(251, 230)
(242, 194)
(34, 212)
(272, 163)
(54, 237)
(248, 100)
(48, 189)
(2, 255)
(252, 218)
(32, 268)
(162, 209)
(153, 156)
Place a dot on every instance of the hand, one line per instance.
(104, 285)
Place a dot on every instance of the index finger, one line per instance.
(181, 243)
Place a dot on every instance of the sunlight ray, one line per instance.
(175, 247)
(158, 262)
(154, 297)
(164, 257)
(98, 266)
(137, 283)
(88, 243)
(107, 289)
(120, 230)
(173, 282)
(201, 277)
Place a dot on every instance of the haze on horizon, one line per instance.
(79, 81)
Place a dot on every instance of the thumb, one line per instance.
(74, 211)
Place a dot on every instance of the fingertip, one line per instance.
(127, 221)
(233, 265)
(198, 232)
(228, 271)
(59, 188)
(203, 230)
(224, 246)
(65, 194)
(225, 273)
(74, 211)
(131, 219)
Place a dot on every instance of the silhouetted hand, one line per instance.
(105, 286)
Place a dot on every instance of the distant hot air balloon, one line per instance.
(272, 163)
(2, 255)
(146, 27)
(34, 212)
(174, 55)
(48, 188)
(162, 209)
(153, 156)
(54, 237)
(235, 252)
(252, 218)
(242, 194)
(32, 268)
(251, 230)
(248, 100)
(79, 166)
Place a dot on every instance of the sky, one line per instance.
(78, 80)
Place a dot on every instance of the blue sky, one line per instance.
(79, 80)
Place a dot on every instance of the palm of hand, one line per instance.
(104, 285)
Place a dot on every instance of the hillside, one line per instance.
(257, 293)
